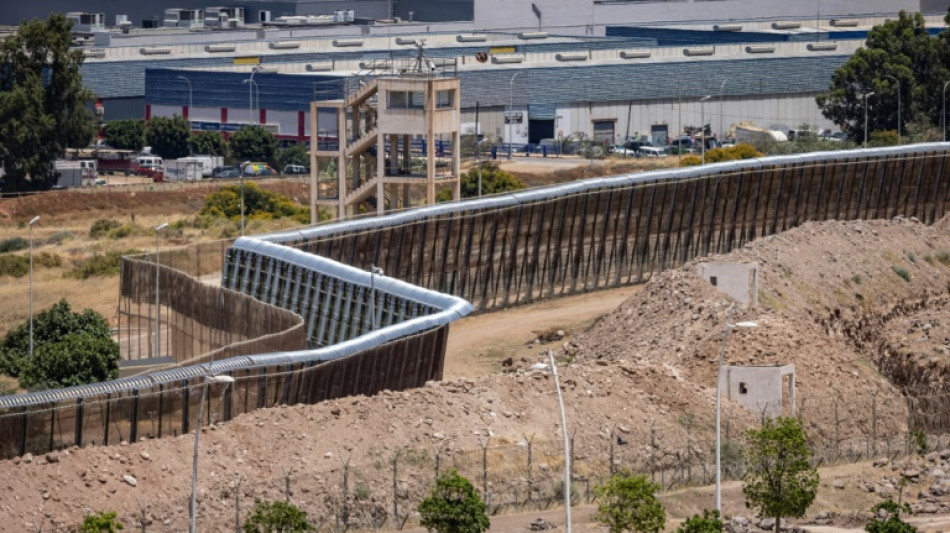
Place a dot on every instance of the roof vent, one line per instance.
(506, 58)
(284, 45)
(822, 47)
(700, 51)
(471, 38)
(761, 49)
(340, 43)
(727, 27)
(635, 54)
(571, 56)
(533, 35)
(94, 52)
(786, 25)
(844, 23)
(405, 40)
(216, 48)
(319, 67)
(154, 51)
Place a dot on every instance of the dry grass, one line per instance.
(74, 213)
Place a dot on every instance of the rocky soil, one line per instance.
(832, 301)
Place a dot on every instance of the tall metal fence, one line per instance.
(525, 246)
(366, 332)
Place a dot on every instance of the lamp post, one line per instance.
(373, 272)
(250, 94)
(186, 80)
(207, 378)
(943, 115)
(511, 99)
(721, 87)
(725, 338)
(866, 96)
(898, 82)
(158, 313)
(702, 124)
(567, 444)
(34, 221)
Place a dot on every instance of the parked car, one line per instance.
(621, 150)
(652, 151)
(226, 172)
(296, 169)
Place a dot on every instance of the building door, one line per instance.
(540, 129)
(604, 131)
(659, 133)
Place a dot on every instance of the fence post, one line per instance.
(79, 409)
(610, 442)
(346, 498)
(530, 477)
(26, 421)
(837, 429)
(653, 451)
(237, 504)
(395, 462)
(186, 392)
(485, 466)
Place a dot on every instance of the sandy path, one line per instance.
(478, 343)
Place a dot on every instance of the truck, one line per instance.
(208, 163)
(75, 173)
(182, 170)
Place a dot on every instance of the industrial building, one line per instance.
(534, 70)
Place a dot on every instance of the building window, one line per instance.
(405, 99)
(743, 389)
(445, 98)
(713, 280)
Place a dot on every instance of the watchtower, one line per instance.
(397, 125)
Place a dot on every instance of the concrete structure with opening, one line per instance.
(761, 389)
(738, 280)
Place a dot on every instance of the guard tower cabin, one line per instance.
(398, 125)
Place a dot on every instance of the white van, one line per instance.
(652, 151)
(150, 162)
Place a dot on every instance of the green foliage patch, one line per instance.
(628, 502)
(276, 517)
(99, 265)
(259, 204)
(709, 522)
(453, 506)
(902, 272)
(101, 522)
(17, 266)
(14, 244)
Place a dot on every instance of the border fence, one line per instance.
(366, 332)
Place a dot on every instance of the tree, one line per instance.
(628, 503)
(168, 137)
(43, 105)
(253, 143)
(709, 522)
(887, 518)
(276, 517)
(69, 349)
(898, 52)
(101, 522)
(296, 154)
(453, 506)
(125, 134)
(494, 181)
(208, 143)
(780, 481)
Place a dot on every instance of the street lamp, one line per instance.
(35, 219)
(725, 338)
(250, 94)
(866, 96)
(186, 80)
(702, 124)
(898, 83)
(511, 99)
(567, 444)
(158, 312)
(943, 116)
(721, 87)
(208, 378)
(373, 272)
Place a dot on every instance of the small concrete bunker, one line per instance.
(769, 390)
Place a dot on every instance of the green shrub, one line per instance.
(856, 279)
(101, 522)
(99, 265)
(59, 237)
(627, 502)
(709, 522)
(930, 260)
(102, 228)
(453, 506)
(944, 258)
(691, 161)
(69, 349)
(14, 244)
(259, 204)
(732, 153)
(13, 265)
(912, 257)
(276, 517)
(902, 272)
(494, 181)
(887, 518)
